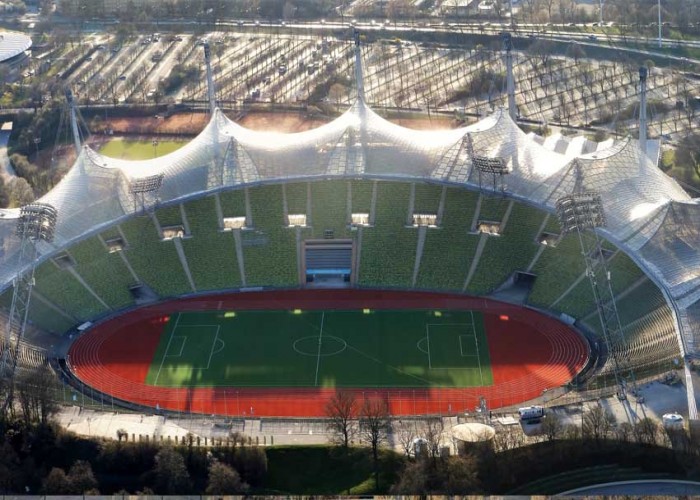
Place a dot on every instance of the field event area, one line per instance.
(323, 349)
(422, 352)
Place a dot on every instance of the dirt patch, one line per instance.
(190, 124)
(434, 123)
(281, 122)
(179, 124)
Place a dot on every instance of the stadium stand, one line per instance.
(269, 250)
(389, 248)
(219, 270)
(296, 197)
(329, 208)
(448, 270)
(556, 269)
(105, 272)
(47, 318)
(511, 251)
(579, 301)
(362, 196)
(642, 299)
(65, 291)
(155, 262)
(427, 198)
(233, 203)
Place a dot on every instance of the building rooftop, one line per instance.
(12, 44)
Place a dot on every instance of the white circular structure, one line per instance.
(673, 420)
(473, 433)
(13, 44)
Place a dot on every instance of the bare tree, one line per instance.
(374, 427)
(432, 432)
(552, 426)
(341, 410)
(404, 432)
(646, 431)
(597, 423)
(508, 438)
(34, 395)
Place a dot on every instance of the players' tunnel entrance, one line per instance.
(328, 263)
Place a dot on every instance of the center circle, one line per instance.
(327, 345)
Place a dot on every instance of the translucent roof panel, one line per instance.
(674, 250)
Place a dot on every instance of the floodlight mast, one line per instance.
(643, 114)
(210, 78)
(582, 212)
(496, 166)
(510, 81)
(141, 188)
(73, 120)
(358, 67)
(37, 222)
(658, 6)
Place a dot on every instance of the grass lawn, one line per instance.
(325, 470)
(128, 149)
(406, 348)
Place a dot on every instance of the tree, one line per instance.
(224, 480)
(56, 483)
(646, 431)
(19, 192)
(374, 427)
(10, 473)
(552, 427)
(34, 393)
(341, 411)
(460, 476)
(508, 438)
(413, 479)
(432, 430)
(4, 195)
(597, 423)
(688, 153)
(171, 474)
(81, 479)
(404, 431)
(576, 52)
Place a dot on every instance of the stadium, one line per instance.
(257, 272)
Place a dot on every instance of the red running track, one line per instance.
(529, 353)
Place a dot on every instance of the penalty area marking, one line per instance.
(461, 350)
(155, 382)
(183, 338)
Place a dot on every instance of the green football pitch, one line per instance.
(411, 348)
(129, 149)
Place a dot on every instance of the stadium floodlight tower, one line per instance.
(510, 81)
(582, 212)
(496, 166)
(210, 78)
(643, 114)
(358, 67)
(73, 120)
(145, 191)
(36, 223)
